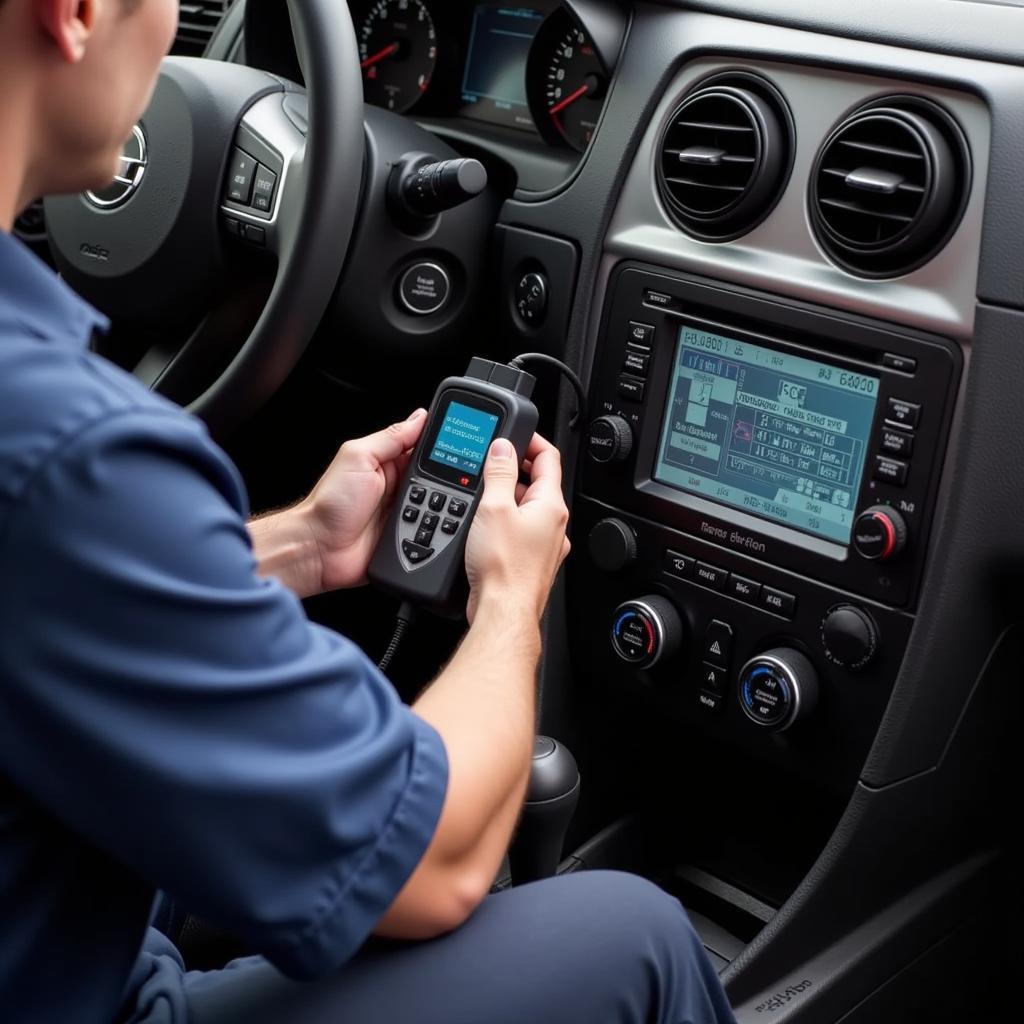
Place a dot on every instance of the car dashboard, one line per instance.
(781, 246)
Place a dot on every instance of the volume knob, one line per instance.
(879, 534)
(609, 439)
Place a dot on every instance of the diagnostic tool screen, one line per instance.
(494, 82)
(463, 438)
(777, 435)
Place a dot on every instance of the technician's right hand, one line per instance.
(517, 541)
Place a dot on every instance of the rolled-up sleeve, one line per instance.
(183, 715)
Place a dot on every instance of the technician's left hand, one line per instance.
(348, 507)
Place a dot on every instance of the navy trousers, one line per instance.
(596, 947)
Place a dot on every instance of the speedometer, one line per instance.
(398, 53)
(567, 83)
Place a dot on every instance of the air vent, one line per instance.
(197, 22)
(724, 156)
(889, 186)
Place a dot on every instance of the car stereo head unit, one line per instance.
(798, 437)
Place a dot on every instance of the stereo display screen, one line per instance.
(777, 435)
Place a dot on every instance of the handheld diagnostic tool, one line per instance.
(421, 553)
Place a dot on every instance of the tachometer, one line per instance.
(567, 83)
(398, 51)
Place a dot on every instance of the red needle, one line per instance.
(377, 57)
(571, 98)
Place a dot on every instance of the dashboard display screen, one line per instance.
(494, 81)
(463, 438)
(777, 435)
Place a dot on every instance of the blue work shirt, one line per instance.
(168, 719)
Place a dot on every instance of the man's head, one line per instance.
(75, 75)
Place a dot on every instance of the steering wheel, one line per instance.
(155, 243)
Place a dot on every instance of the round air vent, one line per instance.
(724, 156)
(889, 186)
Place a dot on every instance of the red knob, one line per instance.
(879, 534)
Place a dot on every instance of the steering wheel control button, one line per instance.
(457, 507)
(437, 500)
(718, 644)
(612, 545)
(417, 494)
(254, 234)
(410, 513)
(744, 590)
(263, 188)
(233, 227)
(897, 442)
(415, 553)
(903, 414)
(646, 630)
(778, 688)
(631, 389)
(449, 526)
(532, 298)
(609, 439)
(778, 601)
(879, 534)
(640, 337)
(712, 679)
(711, 576)
(240, 177)
(678, 564)
(892, 471)
(425, 288)
(849, 636)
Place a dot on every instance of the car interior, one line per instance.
(780, 246)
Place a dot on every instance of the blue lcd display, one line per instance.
(780, 436)
(494, 81)
(464, 438)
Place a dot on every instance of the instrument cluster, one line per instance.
(532, 68)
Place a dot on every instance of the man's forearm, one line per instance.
(484, 707)
(285, 547)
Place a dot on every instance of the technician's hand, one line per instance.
(348, 507)
(517, 541)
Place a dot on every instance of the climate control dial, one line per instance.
(646, 630)
(879, 534)
(778, 688)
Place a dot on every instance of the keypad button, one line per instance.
(410, 514)
(424, 535)
(744, 589)
(778, 601)
(892, 471)
(905, 414)
(678, 564)
(711, 576)
(712, 678)
(437, 500)
(417, 494)
(449, 526)
(897, 442)
(631, 389)
(718, 644)
(416, 553)
(457, 507)
(240, 176)
(640, 336)
(430, 520)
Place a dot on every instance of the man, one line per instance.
(169, 719)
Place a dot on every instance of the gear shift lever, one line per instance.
(550, 802)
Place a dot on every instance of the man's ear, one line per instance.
(69, 23)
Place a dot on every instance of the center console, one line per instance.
(754, 508)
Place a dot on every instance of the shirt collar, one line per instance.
(32, 295)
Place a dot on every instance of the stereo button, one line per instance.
(892, 471)
(711, 576)
(778, 601)
(904, 414)
(893, 361)
(712, 679)
(631, 389)
(677, 564)
(640, 336)
(718, 645)
(636, 363)
(744, 589)
(897, 442)
(712, 703)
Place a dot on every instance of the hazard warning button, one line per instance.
(718, 644)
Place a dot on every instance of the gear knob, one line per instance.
(551, 800)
